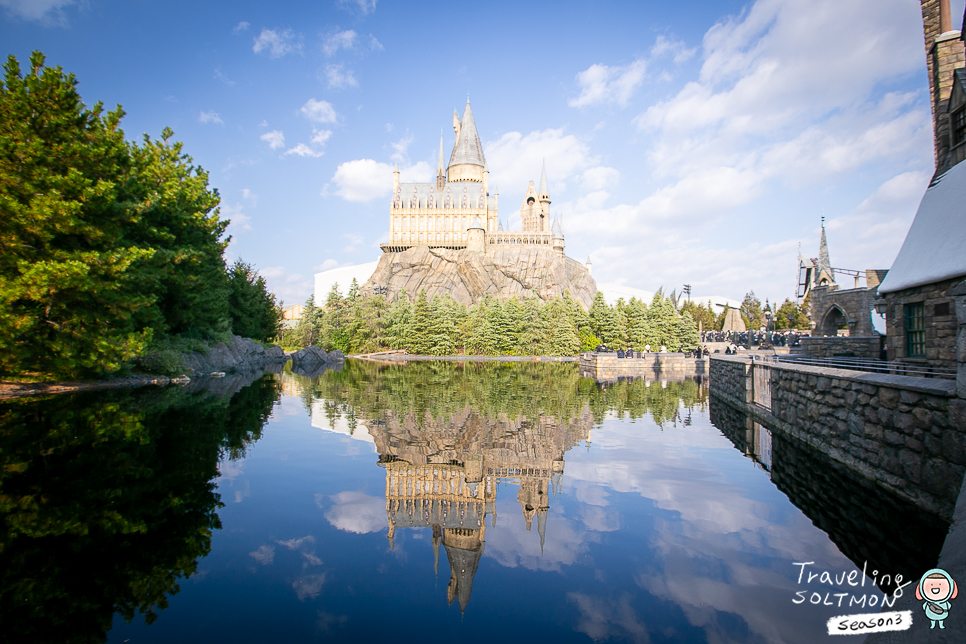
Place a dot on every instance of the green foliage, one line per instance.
(751, 312)
(515, 327)
(701, 313)
(254, 312)
(107, 247)
(798, 314)
(107, 502)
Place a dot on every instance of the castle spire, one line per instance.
(544, 192)
(824, 263)
(440, 168)
(467, 150)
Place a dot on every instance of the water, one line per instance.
(437, 499)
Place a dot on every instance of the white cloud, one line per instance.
(339, 40)
(303, 150)
(287, 287)
(224, 79)
(599, 177)
(240, 27)
(354, 242)
(275, 139)
(328, 265)
(277, 43)
(365, 7)
(401, 148)
(374, 44)
(418, 172)
(239, 220)
(338, 77)
(319, 111)
(210, 116)
(49, 12)
(362, 180)
(675, 49)
(601, 84)
(319, 137)
(357, 512)
(515, 159)
(251, 196)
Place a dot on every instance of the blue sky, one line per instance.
(685, 142)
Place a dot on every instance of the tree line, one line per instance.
(753, 314)
(357, 323)
(109, 249)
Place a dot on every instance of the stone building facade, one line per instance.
(919, 295)
(458, 211)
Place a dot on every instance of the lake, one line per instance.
(469, 501)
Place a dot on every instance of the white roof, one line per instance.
(935, 246)
(343, 276)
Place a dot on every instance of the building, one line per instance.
(458, 210)
(446, 238)
(919, 294)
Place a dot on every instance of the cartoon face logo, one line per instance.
(935, 590)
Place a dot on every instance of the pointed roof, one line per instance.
(543, 180)
(440, 168)
(557, 229)
(467, 148)
(824, 263)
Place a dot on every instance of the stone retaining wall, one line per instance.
(608, 367)
(906, 434)
(861, 346)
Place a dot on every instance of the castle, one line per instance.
(445, 237)
(458, 212)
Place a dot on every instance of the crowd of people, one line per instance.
(756, 338)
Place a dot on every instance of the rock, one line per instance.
(469, 276)
(309, 355)
(240, 354)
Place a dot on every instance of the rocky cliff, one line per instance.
(468, 276)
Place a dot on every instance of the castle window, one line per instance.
(958, 122)
(915, 330)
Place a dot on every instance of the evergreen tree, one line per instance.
(442, 327)
(598, 314)
(480, 336)
(561, 337)
(254, 312)
(398, 321)
(638, 324)
(367, 323)
(751, 312)
(687, 333)
(333, 332)
(104, 245)
(533, 330)
(420, 327)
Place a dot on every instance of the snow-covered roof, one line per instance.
(935, 246)
(343, 276)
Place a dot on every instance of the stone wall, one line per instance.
(608, 367)
(940, 318)
(906, 434)
(854, 303)
(853, 346)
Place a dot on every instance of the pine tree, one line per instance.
(420, 327)
(533, 330)
(638, 324)
(561, 337)
(398, 321)
(442, 327)
(254, 312)
(598, 314)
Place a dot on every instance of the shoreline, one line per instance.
(13, 389)
(390, 358)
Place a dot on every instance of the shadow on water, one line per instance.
(107, 499)
(869, 525)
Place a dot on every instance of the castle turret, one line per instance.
(467, 161)
(588, 265)
(529, 211)
(558, 236)
(475, 235)
(824, 273)
(543, 197)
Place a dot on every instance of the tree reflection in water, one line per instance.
(107, 501)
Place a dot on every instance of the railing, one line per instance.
(870, 365)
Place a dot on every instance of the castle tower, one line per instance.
(558, 236)
(543, 198)
(475, 236)
(587, 264)
(944, 54)
(440, 168)
(467, 161)
(530, 211)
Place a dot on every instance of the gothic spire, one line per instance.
(543, 180)
(467, 148)
(440, 168)
(824, 263)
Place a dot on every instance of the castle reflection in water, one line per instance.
(447, 446)
(445, 476)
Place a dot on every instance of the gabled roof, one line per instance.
(467, 148)
(935, 246)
